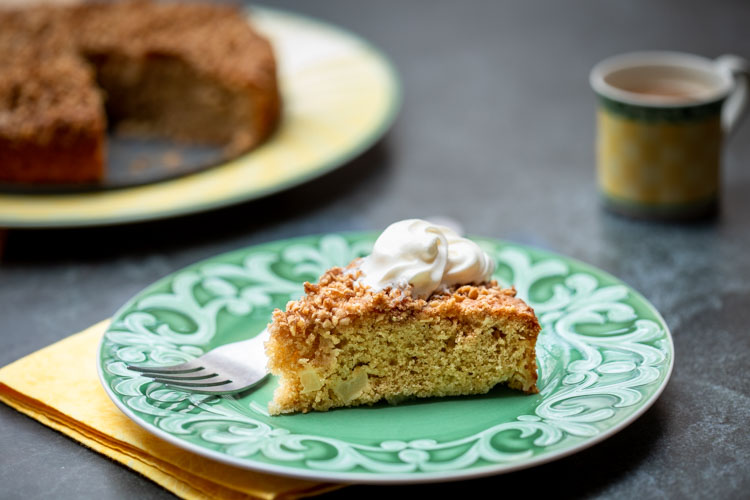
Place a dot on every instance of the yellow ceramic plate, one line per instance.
(340, 95)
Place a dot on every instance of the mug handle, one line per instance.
(735, 108)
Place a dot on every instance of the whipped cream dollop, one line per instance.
(425, 255)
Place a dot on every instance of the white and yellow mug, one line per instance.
(662, 121)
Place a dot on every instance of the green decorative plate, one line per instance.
(605, 355)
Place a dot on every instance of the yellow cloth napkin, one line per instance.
(59, 387)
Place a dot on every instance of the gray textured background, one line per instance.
(497, 131)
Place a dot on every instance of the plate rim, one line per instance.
(344, 157)
(399, 477)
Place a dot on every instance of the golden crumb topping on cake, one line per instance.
(339, 297)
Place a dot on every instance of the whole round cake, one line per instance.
(190, 72)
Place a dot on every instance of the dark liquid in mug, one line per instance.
(679, 90)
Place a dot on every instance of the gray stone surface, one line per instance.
(496, 130)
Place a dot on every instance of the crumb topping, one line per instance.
(339, 298)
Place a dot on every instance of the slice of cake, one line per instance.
(419, 317)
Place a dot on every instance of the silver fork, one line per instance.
(225, 370)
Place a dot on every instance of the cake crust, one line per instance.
(344, 344)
